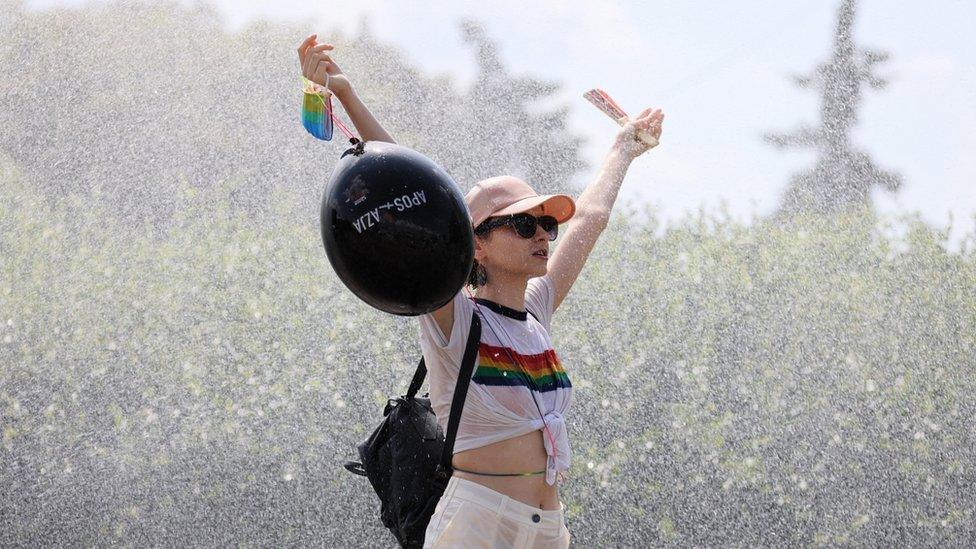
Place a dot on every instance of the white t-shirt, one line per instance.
(499, 403)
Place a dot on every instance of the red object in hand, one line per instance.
(608, 106)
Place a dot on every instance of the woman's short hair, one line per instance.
(478, 275)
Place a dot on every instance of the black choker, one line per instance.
(502, 310)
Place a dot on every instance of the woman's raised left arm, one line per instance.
(596, 201)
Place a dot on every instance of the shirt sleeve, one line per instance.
(539, 298)
(453, 344)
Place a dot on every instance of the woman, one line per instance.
(512, 440)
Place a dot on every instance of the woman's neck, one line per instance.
(510, 293)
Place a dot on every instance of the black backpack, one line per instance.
(407, 459)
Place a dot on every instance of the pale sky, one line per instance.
(720, 72)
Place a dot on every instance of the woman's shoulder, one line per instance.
(448, 325)
(539, 296)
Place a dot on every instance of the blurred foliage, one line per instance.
(134, 100)
(743, 385)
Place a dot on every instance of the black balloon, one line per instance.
(396, 229)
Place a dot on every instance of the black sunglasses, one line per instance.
(524, 224)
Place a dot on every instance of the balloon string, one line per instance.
(342, 127)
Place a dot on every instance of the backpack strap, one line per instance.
(444, 468)
(418, 379)
(461, 390)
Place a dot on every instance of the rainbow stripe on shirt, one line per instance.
(542, 372)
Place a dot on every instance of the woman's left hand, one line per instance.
(628, 142)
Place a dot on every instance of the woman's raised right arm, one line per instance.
(318, 66)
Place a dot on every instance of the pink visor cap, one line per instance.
(506, 195)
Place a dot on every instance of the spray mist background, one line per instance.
(180, 366)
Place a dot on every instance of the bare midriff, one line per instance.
(522, 454)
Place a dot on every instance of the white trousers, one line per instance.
(470, 515)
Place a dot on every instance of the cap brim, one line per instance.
(560, 206)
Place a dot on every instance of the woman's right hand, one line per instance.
(317, 65)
